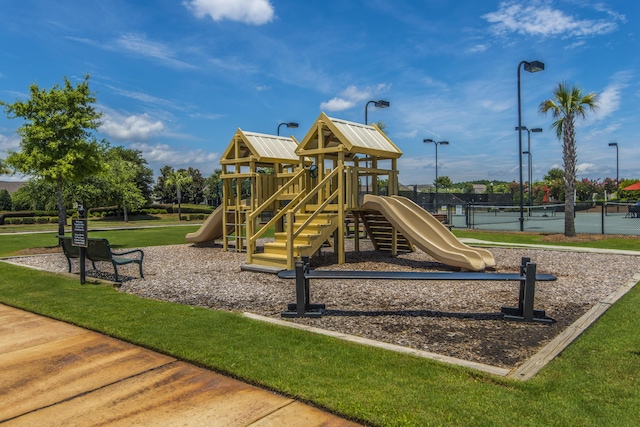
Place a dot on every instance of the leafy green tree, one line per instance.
(56, 141)
(122, 186)
(5, 200)
(626, 194)
(213, 188)
(36, 194)
(193, 191)
(162, 192)
(143, 177)
(178, 179)
(443, 182)
(554, 174)
(4, 168)
(567, 104)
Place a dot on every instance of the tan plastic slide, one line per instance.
(429, 234)
(210, 230)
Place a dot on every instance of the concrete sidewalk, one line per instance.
(56, 374)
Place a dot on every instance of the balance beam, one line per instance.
(523, 312)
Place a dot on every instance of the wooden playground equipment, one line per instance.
(311, 194)
(306, 189)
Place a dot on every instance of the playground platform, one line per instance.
(56, 374)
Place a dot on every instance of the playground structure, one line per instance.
(307, 190)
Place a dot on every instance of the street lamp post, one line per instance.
(436, 143)
(531, 67)
(380, 104)
(530, 164)
(289, 125)
(615, 144)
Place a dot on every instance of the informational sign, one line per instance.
(79, 233)
(458, 209)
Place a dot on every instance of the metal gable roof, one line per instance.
(266, 146)
(365, 137)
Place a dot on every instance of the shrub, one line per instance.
(29, 220)
(42, 220)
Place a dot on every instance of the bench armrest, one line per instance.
(129, 252)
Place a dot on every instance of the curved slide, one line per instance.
(210, 229)
(429, 234)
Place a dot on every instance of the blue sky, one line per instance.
(176, 78)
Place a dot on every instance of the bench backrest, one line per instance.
(69, 250)
(99, 250)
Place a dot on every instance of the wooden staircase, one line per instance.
(380, 231)
(317, 232)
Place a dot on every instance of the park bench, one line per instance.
(524, 311)
(100, 250)
(444, 219)
(634, 212)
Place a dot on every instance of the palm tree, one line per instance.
(567, 104)
(178, 178)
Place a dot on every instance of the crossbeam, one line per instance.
(523, 312)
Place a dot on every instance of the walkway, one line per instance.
(56, 374)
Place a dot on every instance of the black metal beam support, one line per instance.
(303, 307)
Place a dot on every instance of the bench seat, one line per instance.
(99, 249)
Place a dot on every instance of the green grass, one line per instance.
(602, 242)
(134, 221)
(596, 381)
(10, 244)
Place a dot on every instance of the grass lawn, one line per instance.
(595, 382)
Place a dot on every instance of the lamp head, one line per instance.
(292, 125)
(428, 140)
(613, 144)
(382, 104)
(443, 142)
(521, 128)
(534, 66)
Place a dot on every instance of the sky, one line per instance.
(175, 79)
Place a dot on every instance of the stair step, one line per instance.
(272, 260)
(280, 248)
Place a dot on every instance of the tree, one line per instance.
(143, 176)
(443, 182)
(3, 168)
(122, 185)
(36, 194)
(193, 191)
(162, 192)
(213, 188)
(179, 179)
(56, 142)
(5, 200)
(567, 104)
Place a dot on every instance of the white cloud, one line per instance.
(159, 155)
(481, 47)
(137, 127)
(140, 45)
(539, 18)
(351, 96)
(337, 104)
(9, 143)
(586, 168)
(254, 12)
(609, 98)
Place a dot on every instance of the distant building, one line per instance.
(11, 186)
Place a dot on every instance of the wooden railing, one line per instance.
(291, 212)
(252, 234)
